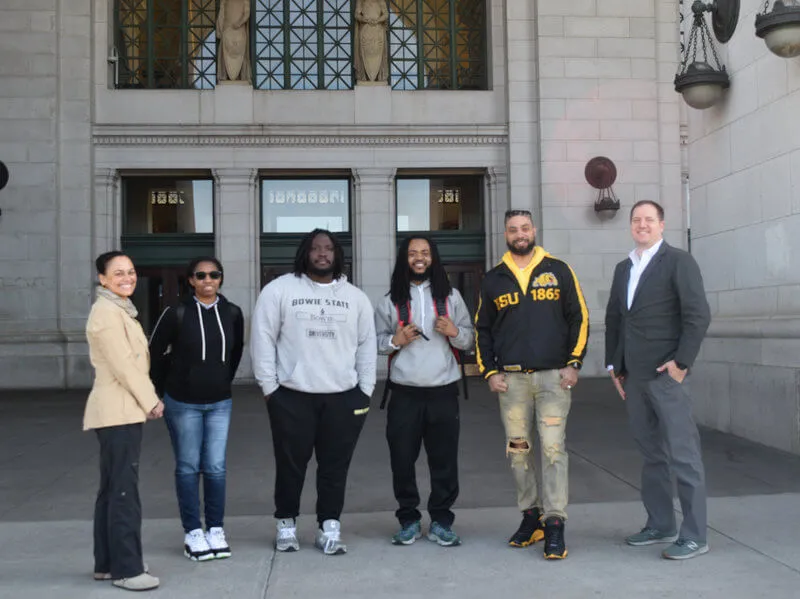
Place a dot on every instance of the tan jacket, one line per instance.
(122, 392)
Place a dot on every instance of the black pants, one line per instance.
(325, 424)
(118, 511)
(424, 415)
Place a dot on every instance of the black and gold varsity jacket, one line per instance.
(531, 319)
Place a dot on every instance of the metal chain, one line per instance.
(700, 37)
(711, 45)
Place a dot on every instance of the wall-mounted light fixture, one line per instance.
(780, 28)
(601, 173)
(4, 176)
(701, 81)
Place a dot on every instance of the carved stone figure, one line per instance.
(371, 56)
(233, 62)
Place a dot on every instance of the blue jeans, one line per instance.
(199, 434)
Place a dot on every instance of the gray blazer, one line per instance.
(668, 318)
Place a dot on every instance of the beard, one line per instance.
(521, 251)
(320, 272)
(419, 277)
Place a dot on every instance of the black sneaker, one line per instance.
(530, 530)
(554, 547)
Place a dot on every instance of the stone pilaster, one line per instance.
(374, 215)
(236, 217)
(497, 202)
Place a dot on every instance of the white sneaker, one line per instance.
(286, 540)
(217, 542)
(195, 546)
(329, 538)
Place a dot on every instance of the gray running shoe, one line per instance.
(286, 539)
(684, 549)
(650, 536)
(329, 538)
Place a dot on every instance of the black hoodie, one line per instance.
(195, 360)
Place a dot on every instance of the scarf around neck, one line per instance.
(123, 302)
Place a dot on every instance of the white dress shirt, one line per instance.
(638, 266)
(639, 263)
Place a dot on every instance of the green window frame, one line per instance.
(166, 44)
(302, 44)
(438, 44)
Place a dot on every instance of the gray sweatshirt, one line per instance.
(424, 363)
(312, 337)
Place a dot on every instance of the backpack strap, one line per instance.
(403, 318)
(442, 309)
(180, 310)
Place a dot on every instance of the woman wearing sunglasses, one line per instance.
(195, 350)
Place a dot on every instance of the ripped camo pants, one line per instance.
(538, 398)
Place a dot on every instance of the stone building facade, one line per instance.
(562, 82)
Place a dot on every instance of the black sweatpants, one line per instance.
(325, 424)
(427, 415)
(118, 511)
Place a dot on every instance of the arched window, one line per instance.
(303, 44)
(437, 44)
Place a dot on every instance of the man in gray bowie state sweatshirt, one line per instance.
(419, 324)
(313, 352)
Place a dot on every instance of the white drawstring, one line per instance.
(202, 331)
(221, 330)
(422, 306)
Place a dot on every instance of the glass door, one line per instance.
(157, 288)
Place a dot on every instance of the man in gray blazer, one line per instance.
(656, 318)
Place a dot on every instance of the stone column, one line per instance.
(106, 209)
(236, 216)
(523, 108)
(374, 230)
(494, 214)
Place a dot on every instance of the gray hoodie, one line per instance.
(424, 363)
(312, 337)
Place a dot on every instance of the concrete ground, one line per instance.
(48, 478)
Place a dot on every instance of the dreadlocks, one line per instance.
(399, 291)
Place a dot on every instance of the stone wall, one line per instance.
(745, 199)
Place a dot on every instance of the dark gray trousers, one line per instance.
(118, 512)
(660, 414)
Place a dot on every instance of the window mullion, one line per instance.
(151, 45)
(420, 46)
(287, 50)
(183, 53)
(320, 45)
(453, 47)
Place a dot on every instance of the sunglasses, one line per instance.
(214, 274)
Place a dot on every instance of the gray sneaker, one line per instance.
(684, 549)
(443, 535)
(650, 536)
(407, 534)
(329, 538)
(286, 539)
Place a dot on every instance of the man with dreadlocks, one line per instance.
(419, 324)
(313, 353)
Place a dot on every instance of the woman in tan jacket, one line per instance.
(122, 398)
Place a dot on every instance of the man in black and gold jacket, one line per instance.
(532, 328)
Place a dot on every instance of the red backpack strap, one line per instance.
(403, 318)
(442, 309)
(403, 313)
